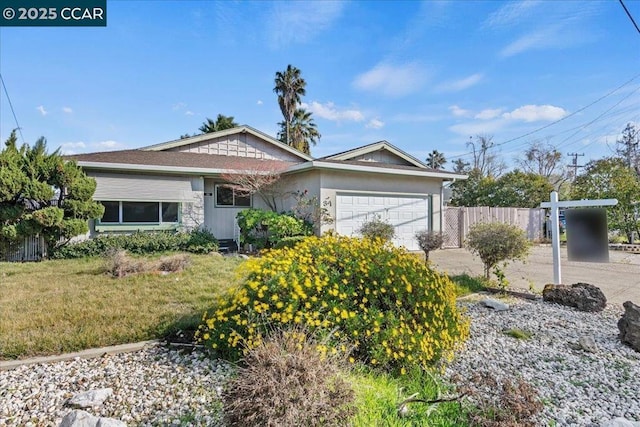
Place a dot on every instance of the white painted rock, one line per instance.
(79, 419)
(621, 422)
(496, 305)
(90, 398)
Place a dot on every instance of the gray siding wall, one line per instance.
(383, 156)
(373, 183)
(239, 145)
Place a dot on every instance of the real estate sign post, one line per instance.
(555, 206)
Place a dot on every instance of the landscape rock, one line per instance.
(90, 398)
(629, 325)
(587, 343)
(583, 296)
(621, 422)
(79, 418)
(496, 305)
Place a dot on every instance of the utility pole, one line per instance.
(574, 164)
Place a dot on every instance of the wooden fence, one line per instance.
(31, 248)
(457, 221)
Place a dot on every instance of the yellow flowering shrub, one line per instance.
(379, 302)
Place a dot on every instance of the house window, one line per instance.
(111, 212)
(226, 196)
(140, 212)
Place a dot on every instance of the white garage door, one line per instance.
(406, 214)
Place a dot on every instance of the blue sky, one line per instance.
(421, 75)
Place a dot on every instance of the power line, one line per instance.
(6, 92)
(629, 15)
(561, 119)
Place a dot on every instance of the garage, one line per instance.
(407, 214)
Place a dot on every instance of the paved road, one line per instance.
(619, 279)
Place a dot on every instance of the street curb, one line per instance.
(84, 354)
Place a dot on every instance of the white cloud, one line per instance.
(458, 85)
(67, 110)
(375, 124)
(189, 113)
(488, 114)
(179, 106)
(72, 147)
(392, 80)
(330, 112)
(299, 22)
(535, 113)
(42, 111)
(511, 14)
(459, 112)
(108, 145)
(259, 102)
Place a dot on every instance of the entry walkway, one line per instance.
(619, 279)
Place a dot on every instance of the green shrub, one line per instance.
(264, 229)
(289, 242)
(428, 241)
(495, 242)
(377, 228)
(285, 381)
(201, 241)
(381, 301)
(140, 243)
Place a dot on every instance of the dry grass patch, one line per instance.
(120, 264)
(60, 306)
(286, 381)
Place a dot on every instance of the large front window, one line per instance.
(139, 212)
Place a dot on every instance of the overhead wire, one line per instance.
(608, 94)
(6, 92)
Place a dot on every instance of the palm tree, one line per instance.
(289, 86)
(302, 132)
(436, 159)
(222, 122)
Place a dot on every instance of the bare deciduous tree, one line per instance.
(542, 159)
(484, 159)
(250, 176)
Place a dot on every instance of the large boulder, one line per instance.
(90, 398)
(583, 296)
(629, 325)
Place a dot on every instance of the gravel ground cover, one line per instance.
(165, 386)
(577, 387)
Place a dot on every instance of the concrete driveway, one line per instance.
(619, 279)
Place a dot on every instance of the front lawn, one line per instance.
(62, 306)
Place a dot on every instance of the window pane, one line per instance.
(111, 212)
(224, 196)
(244, 201)
(140, 211)
(169, 212)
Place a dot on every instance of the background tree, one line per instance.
(627, 146)
(542, 159)
(222, 122)
(461, 166)
(514, 189)
(483, 156)
(42, 194)
(298, 129)
(302, 132)
(290, 87)
(428, 241)
(436, 159)
(607, 179)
